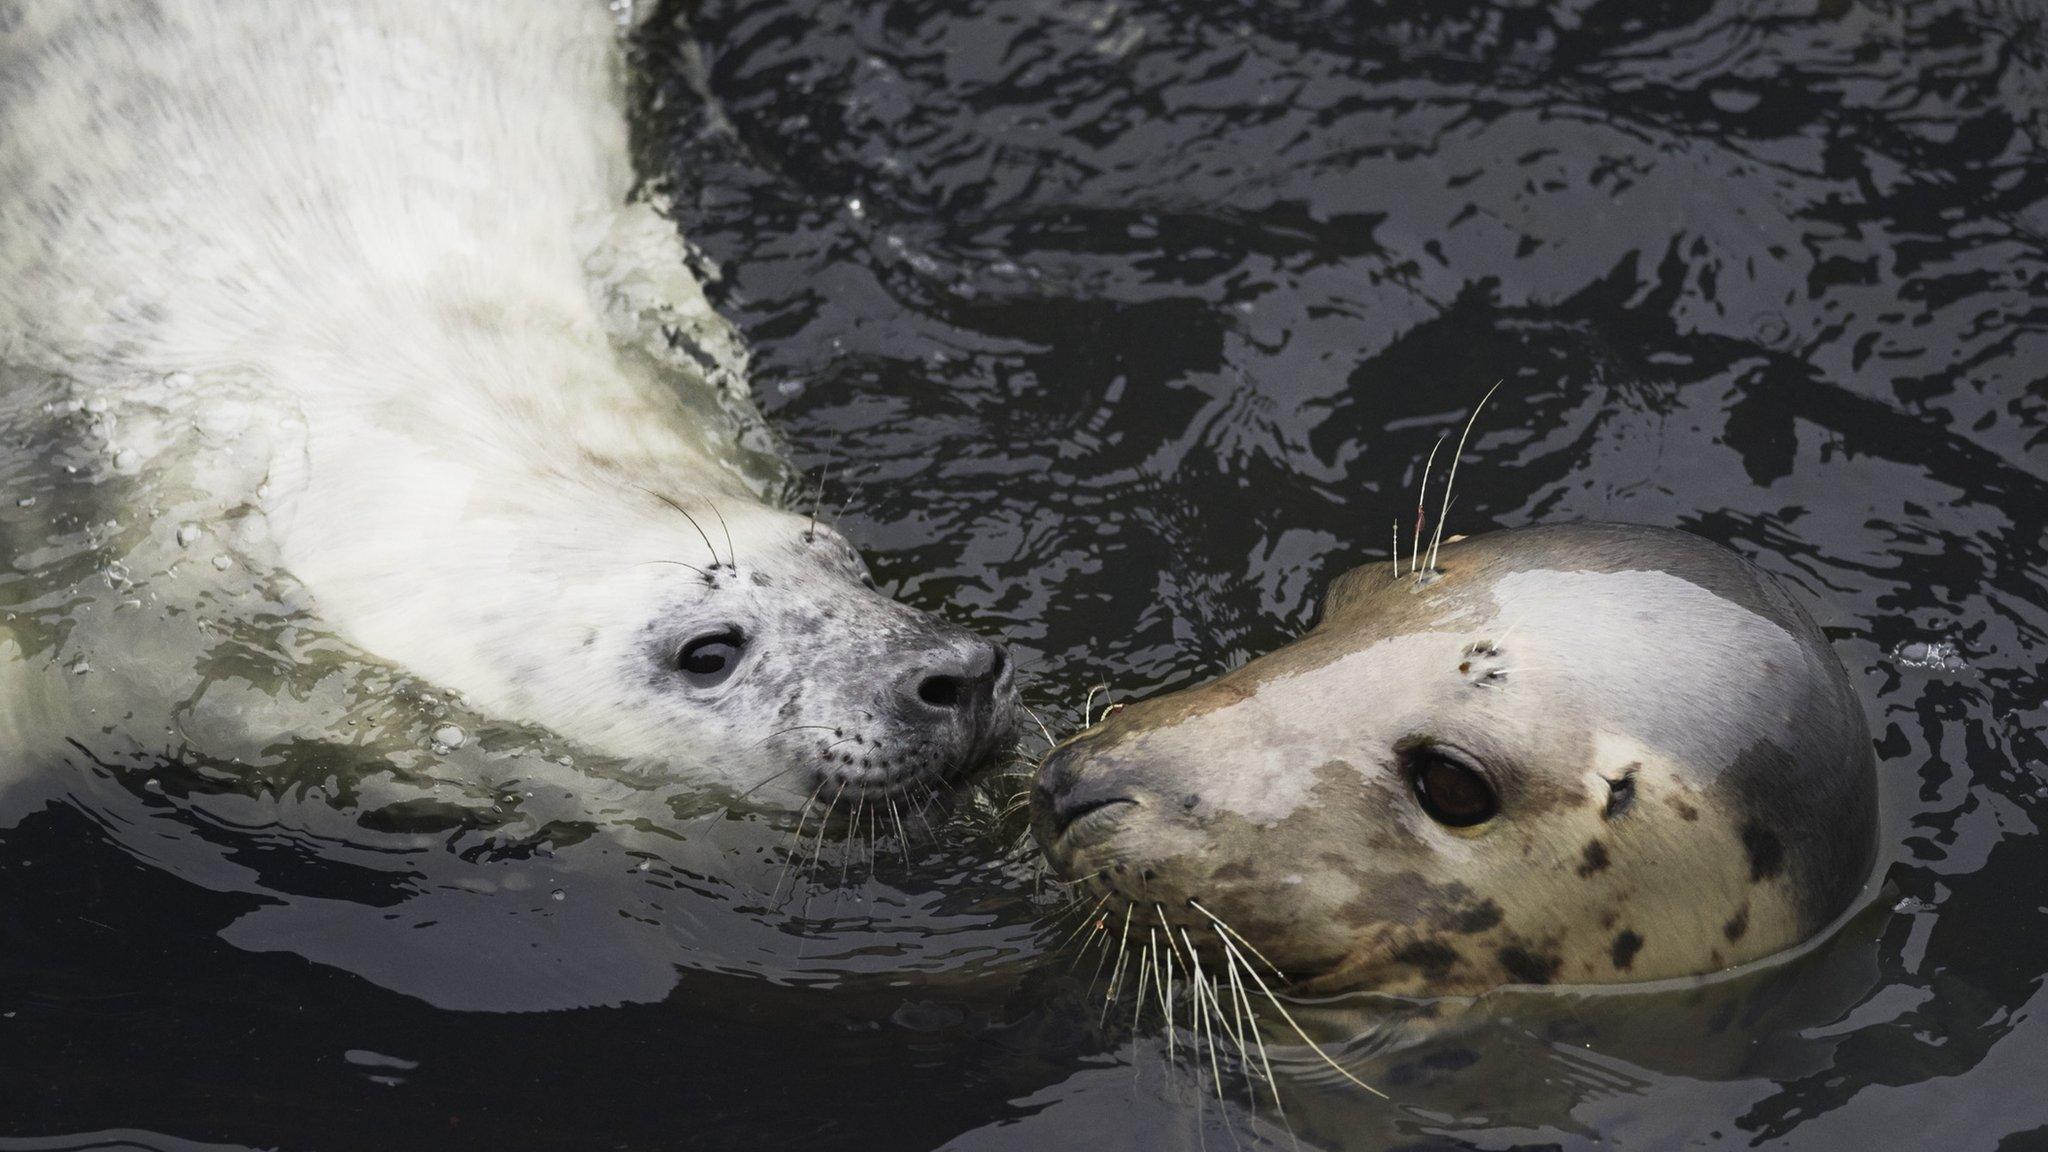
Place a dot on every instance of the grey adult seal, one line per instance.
(1585, 753)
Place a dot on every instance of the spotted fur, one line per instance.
(1684, 778)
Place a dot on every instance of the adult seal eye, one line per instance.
(1452, 793)
(708, 660)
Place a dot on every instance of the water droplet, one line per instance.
(80, 666)
(558, 894)
(177, 379)
(449, 736)
(223, 562)
(25, 502)
(187, 533)
(1933, 655)
(96, 405)
(127, 459)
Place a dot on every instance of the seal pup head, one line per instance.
(782, 666)
(702, 636)
(1572, 754)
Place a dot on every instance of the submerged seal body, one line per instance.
(341, 315)
(1567, 754)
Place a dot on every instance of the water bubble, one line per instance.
(558, 894)
(177, 379)
(449, 737)
(127, 459)
(223, 562)
(80, 666)
(25, 502)
(187, 533)
(96, 405)
(1933, 655)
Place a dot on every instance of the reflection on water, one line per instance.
(1119, 329)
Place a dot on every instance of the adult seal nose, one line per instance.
(1063, 794)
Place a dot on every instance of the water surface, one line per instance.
(1120, 330)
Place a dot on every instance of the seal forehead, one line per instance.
(1649, 654)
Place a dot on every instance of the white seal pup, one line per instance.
(1572, 754)
(337, 317)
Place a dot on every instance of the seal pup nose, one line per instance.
(965, 684)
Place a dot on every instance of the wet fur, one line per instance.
(360, 288)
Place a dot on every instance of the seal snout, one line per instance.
(965, 695)
(959, 682)
(1063, 797)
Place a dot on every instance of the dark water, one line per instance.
(1120, 330)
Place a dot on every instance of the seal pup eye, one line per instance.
(706, 661)
(1450, 791)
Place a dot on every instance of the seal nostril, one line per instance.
(939, 691)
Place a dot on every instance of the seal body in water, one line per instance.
(1566, 754)
(340, 315)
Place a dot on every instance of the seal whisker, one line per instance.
(902, 838)
(796, 846)
(1050, 743)
(852, 826)
(1251, 1025)
(692, 519)
(1196, 905)
(824, 821)
(1292, 1023)
(1202, 1011)
(1116, 973)
(1088, 704)
(732, 553)
(679, 564)
(811, 531)
(1421, 503)
(1437, 540)
(785, 732)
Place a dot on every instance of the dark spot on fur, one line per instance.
(1766, 852)
(1737, 925)
(1527, 967)
(1594, 859)
(1608, 918)
(1686, 812)
(1477, 918)
(1434, 958)
(1626, 945)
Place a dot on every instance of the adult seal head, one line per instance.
(1565, 754)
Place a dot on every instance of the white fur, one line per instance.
(364, 276)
